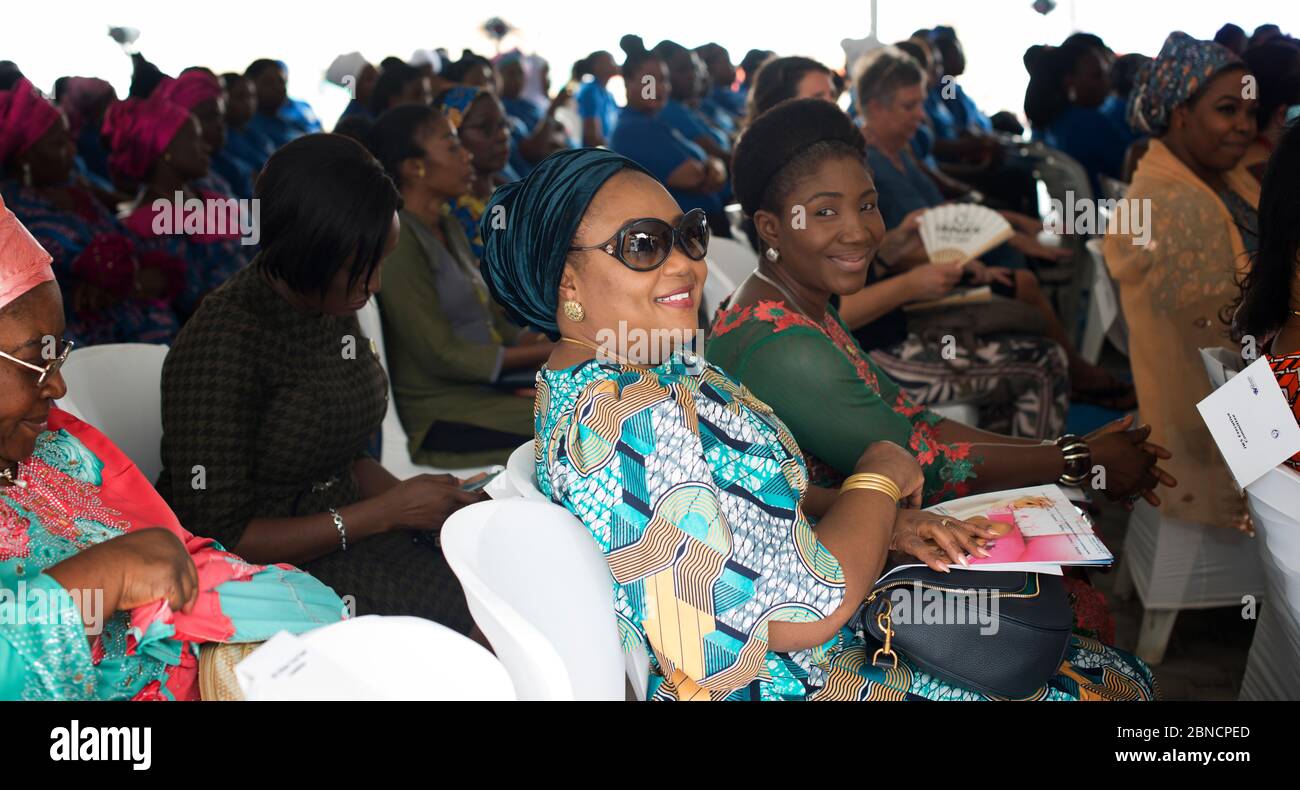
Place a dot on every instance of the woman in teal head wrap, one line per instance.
(692, 488)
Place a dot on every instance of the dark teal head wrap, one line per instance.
(528, 226)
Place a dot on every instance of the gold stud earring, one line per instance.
(420, 173)
(573, 311)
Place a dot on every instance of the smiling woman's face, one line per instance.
(841, 228)
(31, 328)
(1216, 128)
(663, 303)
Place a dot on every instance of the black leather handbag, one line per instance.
(1001, 633)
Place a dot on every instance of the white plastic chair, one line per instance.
(1061, 175)
(394, 455)
(717, 287)
(117, 389)
(1273, 666)
(388, 658)
(540, 590)
(1105, 320)
(736, 259)
(521, 468)
(522, 472)
(1175, 565)
(736, 219)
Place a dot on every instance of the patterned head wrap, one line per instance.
(1183, 66)
(523, 257)
(456, 101)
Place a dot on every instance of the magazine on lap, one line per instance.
(1041, 530)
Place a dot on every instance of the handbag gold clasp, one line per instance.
(885, 624)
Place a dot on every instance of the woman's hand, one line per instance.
(933, 280)
(423, 502)
(154, 566)
(132, 570)
(938, 541)
(892, 461)
(983, 275)
(1128, 461)
(715, 175)
(903, 242)
(1033, 248)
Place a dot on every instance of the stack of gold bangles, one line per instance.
(870, 481)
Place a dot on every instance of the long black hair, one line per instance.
(1266, 291)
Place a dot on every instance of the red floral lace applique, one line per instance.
(781, 316)
(850, 349)
(13, 534)
(729, 319)
(58, 501)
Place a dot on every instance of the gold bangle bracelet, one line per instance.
(879, 489)
(873, 482)
(872, 477)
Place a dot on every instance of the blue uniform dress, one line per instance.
(691, 123)
(595, 101)
(951, 117)
(652, 143)
(1092, 139)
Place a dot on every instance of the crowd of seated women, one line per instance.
(505, 239)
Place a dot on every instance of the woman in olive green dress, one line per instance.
(462, 374)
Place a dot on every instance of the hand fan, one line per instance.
(959, 232)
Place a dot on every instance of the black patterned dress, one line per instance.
(264, 411)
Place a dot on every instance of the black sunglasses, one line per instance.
(643, 245)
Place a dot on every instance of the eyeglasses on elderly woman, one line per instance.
(49, 368)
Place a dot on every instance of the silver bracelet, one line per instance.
(343, 530)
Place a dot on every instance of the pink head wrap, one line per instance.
(24, 263)
(25, 115)
(190, 89)
(81, 95)
(139, 131)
